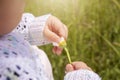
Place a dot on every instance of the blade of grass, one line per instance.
(117, 3)
(108, 42)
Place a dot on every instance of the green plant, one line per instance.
(94, 34)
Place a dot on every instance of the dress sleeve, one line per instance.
(82, 75)
(32, 28)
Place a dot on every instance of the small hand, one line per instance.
(54, 30)
(76, 66)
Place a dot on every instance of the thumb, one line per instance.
(51, 36)
(69, 68)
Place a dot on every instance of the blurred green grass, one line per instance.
(94, 33)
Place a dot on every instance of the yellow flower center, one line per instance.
(63, 44)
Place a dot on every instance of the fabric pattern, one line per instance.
(18, 60)
(82, 75)
(32, 28)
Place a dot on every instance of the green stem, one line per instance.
(68, 54)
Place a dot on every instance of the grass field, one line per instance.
(94, 33)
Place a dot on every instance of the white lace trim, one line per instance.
(82, 75)
(32, 28)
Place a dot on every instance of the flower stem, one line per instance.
(68, 54)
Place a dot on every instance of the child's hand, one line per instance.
(77, 66)
(54, 30)
(80, 71)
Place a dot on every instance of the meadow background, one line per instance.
(94, 33)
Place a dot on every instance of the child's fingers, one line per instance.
(58, 27)
(80, 65)
(89, 69)
(55, 29)
(69, 68)
(53, 37)
(66, 31)
(63, 31)
(77, 66)
(57, 50)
